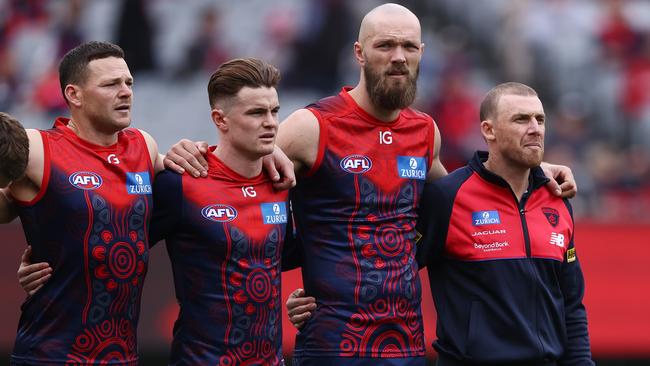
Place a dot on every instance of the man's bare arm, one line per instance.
(154, 155)
(437, 170)
(32, 276)
(298, 137)
(28, 187)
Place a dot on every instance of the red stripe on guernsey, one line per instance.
(89, 299)
(486, 224)
(224, 280)
(351, 227)
(322, 140)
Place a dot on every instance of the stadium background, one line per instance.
(589, 59)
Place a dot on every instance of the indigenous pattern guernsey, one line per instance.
(224, 236)
(90, 223)
(355, 213)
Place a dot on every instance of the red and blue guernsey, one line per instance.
(355, 214)
(89, 222)
(504, 273)
(224, 236)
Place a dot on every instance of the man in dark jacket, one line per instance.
(499, 249)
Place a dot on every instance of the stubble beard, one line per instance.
(527, 159)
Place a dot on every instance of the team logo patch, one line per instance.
(552, 215)
(356, 164)
(274, 212)
(219, 213)
(138, 183)
(86, 180)
(411, 167)
(485, 218)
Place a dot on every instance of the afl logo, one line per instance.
(219, 213)
(85, 180)
(356, 164)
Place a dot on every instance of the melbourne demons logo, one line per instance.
(552, 215)
(219, 213)
(356, 164)
(85, 180)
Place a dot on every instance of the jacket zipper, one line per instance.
(524, 226)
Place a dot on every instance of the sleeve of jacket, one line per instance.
(578, 350)
(430, 227)
(167, 206)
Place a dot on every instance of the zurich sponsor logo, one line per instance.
(411, 167)
(85, 180)
(485, 218)
(356, 164)
(138, 183)
(274, 212)
(219, 213)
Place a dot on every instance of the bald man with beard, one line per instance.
(362, 158)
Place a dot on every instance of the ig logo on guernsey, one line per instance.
(85, 180)
(219, 213)
(411, 167)
(274, 212)
(138, 183)
(356, 164)
(485, 218)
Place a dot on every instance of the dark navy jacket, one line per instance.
(504, 274)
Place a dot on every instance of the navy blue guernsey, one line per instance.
(90, 222)
(224, 236)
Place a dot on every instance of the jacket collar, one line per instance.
(535, 180)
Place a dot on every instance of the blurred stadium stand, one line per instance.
(590, 61)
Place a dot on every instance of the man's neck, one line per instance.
(235, 160)
(361, 97)
(87, 132)
(516, 177)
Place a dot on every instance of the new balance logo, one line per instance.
(557, 239)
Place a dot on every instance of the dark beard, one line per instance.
(391, 98)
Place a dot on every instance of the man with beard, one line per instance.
(362, 158)
(514, 296)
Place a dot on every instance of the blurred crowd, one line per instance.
(589, 60)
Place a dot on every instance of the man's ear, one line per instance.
(487, 130)
(358, 53)
(73, 94)
(219, 119)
